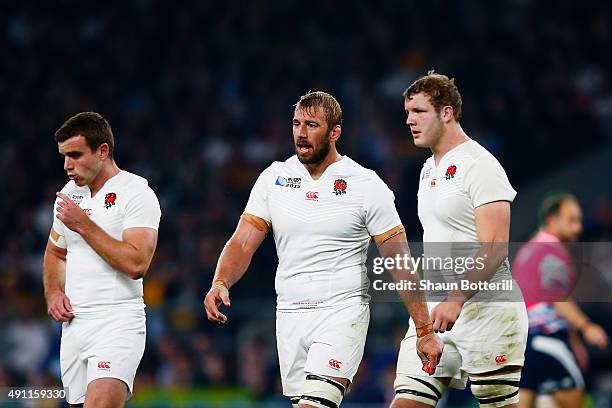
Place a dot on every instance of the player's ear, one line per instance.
(334, 135)
(447, 114)
(103, 151)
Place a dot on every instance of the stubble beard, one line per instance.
(317, 156)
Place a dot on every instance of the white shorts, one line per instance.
(486, 337)
(101, 347)
(327, 342)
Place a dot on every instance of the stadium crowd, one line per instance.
(200, 97)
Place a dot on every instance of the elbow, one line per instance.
(137, 272)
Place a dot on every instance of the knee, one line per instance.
(106, 393)
(412, 392)
(497, 390)
(321, 392)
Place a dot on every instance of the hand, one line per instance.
(445, 315)
(59, 307)
(429, 349)
(71, 214)
(217, 294)
(595, 335)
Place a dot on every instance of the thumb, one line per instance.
(67, 304)
(225, 297)
(421, 354)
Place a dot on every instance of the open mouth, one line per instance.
(303, 148)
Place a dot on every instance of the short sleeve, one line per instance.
(142, 210)
(258, 200)
(485, 181)
(380, 212)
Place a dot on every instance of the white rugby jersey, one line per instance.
(125, 201)
(467, 177)
(322, 229)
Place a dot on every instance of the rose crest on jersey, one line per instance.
(109, 200)
(450, 172)
(340, 187)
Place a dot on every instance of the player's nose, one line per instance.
(67, 163)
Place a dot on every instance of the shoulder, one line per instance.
(135, 186)
(356, 170)
(366, 180)
(274, 170)
(475, 154)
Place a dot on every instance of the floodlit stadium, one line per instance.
(201, 98)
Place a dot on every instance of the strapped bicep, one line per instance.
(389, 236)
(56, 245)
(57, 239)
(250, 232)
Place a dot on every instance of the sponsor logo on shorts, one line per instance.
(312, 195)
(335, 364)
(291, 182)
(104, 365)
(501, 359)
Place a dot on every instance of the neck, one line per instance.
(317, 169)
(452, 137)
(549, 231)
(108, 170)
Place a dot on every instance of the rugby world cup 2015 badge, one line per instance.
(77, 198)
(290, 182)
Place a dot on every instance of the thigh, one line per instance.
(73, 365)
(292, 350)
(115, 350)
(550, 366)
(338, 341)
(490, 336)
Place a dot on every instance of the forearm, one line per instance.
(233, 263)
(572, 313)
(413, 298)
(487, 261)
(120, 255)
(54, 273)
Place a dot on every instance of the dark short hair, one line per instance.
(92, 126)
(329, 104)
(441, 90)
(552, 204)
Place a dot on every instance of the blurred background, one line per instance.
(200, 95)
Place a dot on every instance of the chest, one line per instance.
(331, 207)
(442, 195)
(104, 209)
